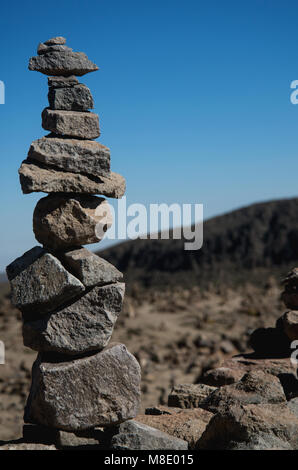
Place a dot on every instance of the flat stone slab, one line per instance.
(255, 387)
(81, 326)
(62, 63)
(56, 40)
(40, 283)
(98, 390)
(62, 82)
(61, 222)
(44, 49)
(36, 177)
(72, 155)
(83, 125)
(189, 395)
(133, 435)
(76, 98)
(90, 268)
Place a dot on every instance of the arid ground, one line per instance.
(175, 335)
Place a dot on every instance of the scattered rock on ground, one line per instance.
(133, 435)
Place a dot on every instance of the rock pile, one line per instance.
(70, 298)
(252, 400)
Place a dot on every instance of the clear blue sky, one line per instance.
(193, 98)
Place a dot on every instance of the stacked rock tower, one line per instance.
(69, 297)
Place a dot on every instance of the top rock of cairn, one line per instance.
(55, 58)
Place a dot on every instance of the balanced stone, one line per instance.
(77, 98)
(39, 282)
(98, 390)
(73, 155)
(61, 222)
(36, 177)
(62, 82)
(81, 326)
(56, 40)
(62, 63)
(90, 268)
(83, 125)
(43, 49)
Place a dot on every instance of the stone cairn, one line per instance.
(69, 297)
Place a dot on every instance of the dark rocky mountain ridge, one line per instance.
(247, 244)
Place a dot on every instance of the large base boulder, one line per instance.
(98, 390)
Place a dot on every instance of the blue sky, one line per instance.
(193, 99)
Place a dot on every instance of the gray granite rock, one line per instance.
(62, 63)
(72, 155)
(61, 222)
(83, 325)
(62, 82)
(133, 435)
(36, 177)
(77, 98)
(90, 268)
(43, 49)
(39, 282)
(98, 390)
(71, 123)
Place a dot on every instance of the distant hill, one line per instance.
(247, 244)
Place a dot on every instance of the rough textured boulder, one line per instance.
(255, 387)
(61, 222)
(77, 156)
(133, 435)
(90, 268)
(252, 427)
(98, 390)
(77, 98)
(84, 325)
(290, 324)
(187, 425)
(71, 123)
(62, 63)
(189, 395)
(39, 283)
(35, 177)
